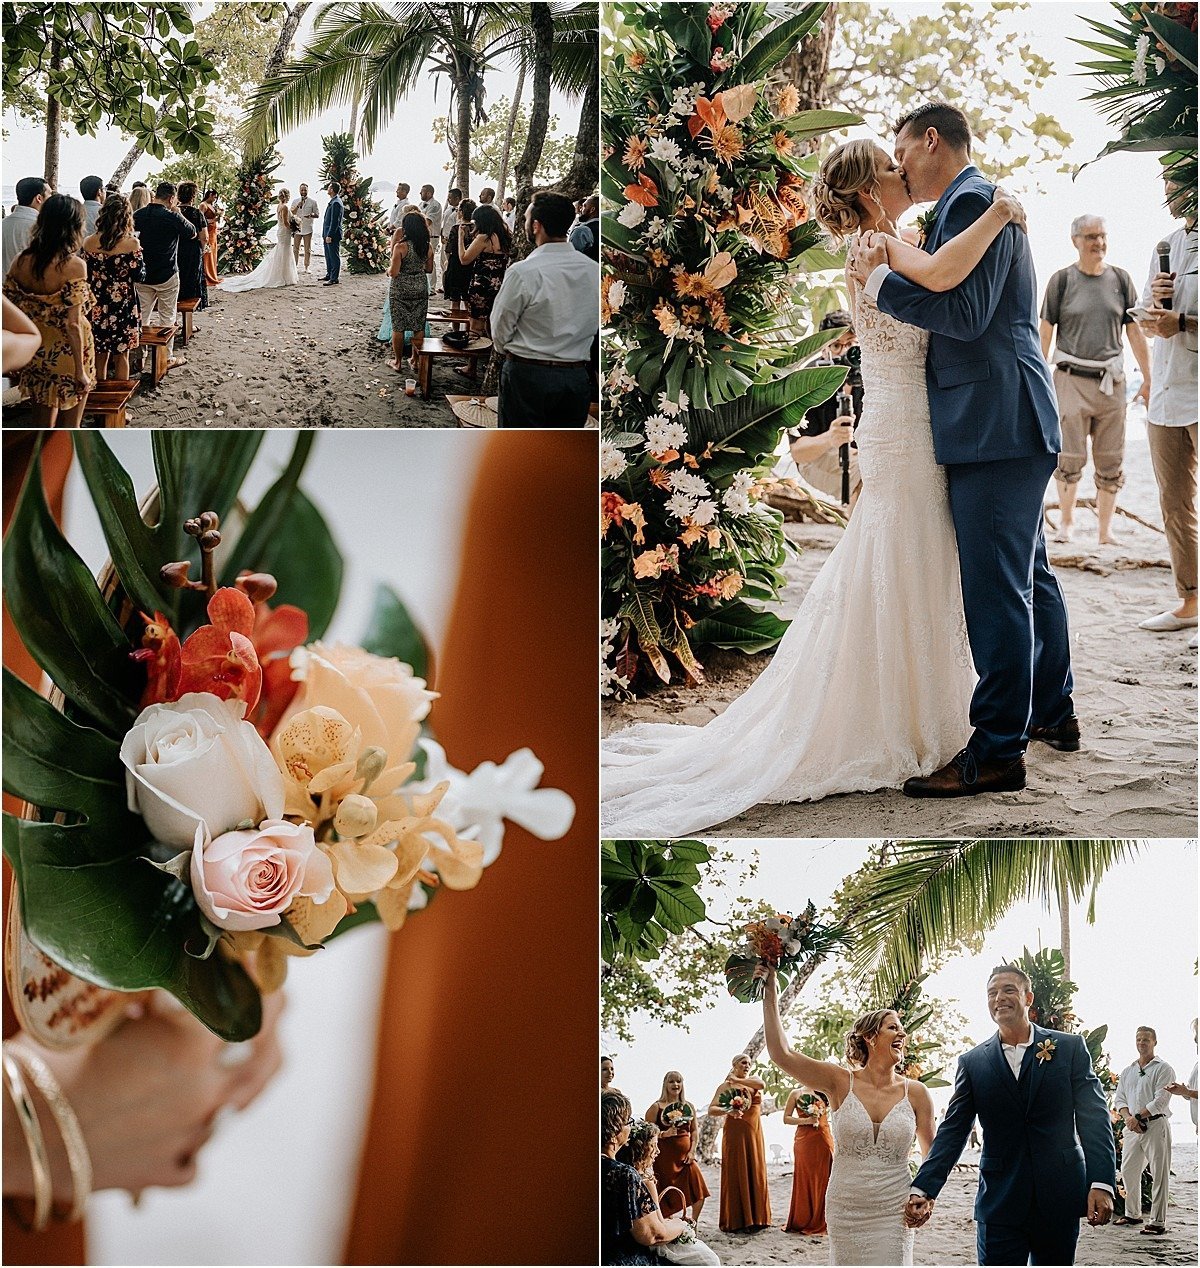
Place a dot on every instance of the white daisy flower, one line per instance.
(612, 461)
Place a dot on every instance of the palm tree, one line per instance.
(379, 51)
(934, 894)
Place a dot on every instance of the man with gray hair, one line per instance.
(1087, 303)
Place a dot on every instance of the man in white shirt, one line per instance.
(449, 220)
(546, 324)
(32, 191)
(431, 209)
(91, 189)
(510, 213)
(1171, 413)
(1143, 1100)
(304, 210)
(397, 212)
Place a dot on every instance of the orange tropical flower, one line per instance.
(635, 153)
(659, 257)
(783, 143)
(709, 114)
(220, 657)
(668, 319)
(644, 192)
(636, 61)
(660, 478)
(726, 144)
(788, 101)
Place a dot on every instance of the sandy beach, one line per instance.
(1135, 694)
(295, 356)
(949, 1237)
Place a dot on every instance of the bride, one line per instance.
(872, 682)
(277, 267)
(875, 1115)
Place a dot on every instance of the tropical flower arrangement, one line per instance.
(1147, 74)
(677, 1114)
(778, 942)
(810, 1104)
(706, 235)
(220, 789)
(250, 215)
(364, 241)
(735, 1100)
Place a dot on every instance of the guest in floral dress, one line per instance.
(412, 263)
(114, 264)
(192, 284)
(487, 255)
(48, 282)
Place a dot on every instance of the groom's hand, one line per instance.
(917, 1210)
(1100, 1207)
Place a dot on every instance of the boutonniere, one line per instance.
(924, 224)
(1045, 1050)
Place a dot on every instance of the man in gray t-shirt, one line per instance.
(1084, 311)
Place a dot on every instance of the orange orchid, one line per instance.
(277, 633)
(159, 652)
(645, 192)
(220, 657)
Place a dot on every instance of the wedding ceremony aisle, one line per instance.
(295, 356)
(1135, 693)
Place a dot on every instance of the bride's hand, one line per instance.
(1009, 209)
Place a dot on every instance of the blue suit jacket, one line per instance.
(1047, 1135)
(331, 226)
(990, 393)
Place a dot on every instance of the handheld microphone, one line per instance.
(1164, 266)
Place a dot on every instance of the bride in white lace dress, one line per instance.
(876, 1117)
(277, 267)
(872, 682)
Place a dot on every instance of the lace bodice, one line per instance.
(855, 1134)
(893, 353)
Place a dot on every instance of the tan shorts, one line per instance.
(825, 474)
(1085, 411)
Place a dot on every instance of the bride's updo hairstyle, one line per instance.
(847, 171)
(858, 1041)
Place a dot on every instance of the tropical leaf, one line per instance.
(392, 632)
(198, 471)
(783, 401)
(763, 56)
(813, 123)
(737, 625)
(1180, 39)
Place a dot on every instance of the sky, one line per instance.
(1135, 966)
(405, 150)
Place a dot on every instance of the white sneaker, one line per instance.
(1168, 622)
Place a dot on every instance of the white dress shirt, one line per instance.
(1014, 1054)
(547, 306)
(397, 214)
(432, 211)
(449, 219)
(1141, 1089)
(1173, 361)
(306, 212)
(18, 229)
(1193, 1085)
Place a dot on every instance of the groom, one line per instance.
(331, 231)
(996, 433)
(1048, 1155)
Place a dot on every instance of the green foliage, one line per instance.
(113, 60)
(703, 368)
(487, 144)
(887, 59)
(1146, 69)
(218, 170)
(89, 897)
(250, 216)
(364, 241)
(808, 943)
(648, 892)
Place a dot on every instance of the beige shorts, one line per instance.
(825, 474)
(1085, 411)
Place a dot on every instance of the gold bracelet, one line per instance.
(14, 1083)
(78, 1157)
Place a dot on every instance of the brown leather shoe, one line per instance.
(1064, 737)
(963, 776)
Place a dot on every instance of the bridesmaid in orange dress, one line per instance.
(812, 1151)
(676, 1161)
(745, 1202)
(209, 210)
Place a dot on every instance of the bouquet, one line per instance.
(778, 942)
(218, 789)
(677, 1114)
(736, 1100)
(809, 1104)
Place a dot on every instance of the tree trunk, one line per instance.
(502, 178)
(1064, 927)
(707, 1148)
(462, 133)
(53, 123)
(135, 152)
(580, 180)
(808, 66)
(354, 104)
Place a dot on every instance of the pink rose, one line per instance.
(247, 879)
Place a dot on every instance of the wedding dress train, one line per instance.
(869, 1184)
(872, 682)
(276, 268)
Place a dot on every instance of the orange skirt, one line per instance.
(813, 1154)
(745, 1201)
(210, 256)
(671, 1168)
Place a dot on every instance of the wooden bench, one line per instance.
(434, 347)
(454, 317)
(187, 307)
(108, 399)
(156, 339)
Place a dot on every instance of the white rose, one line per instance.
(195, 761)
(616, 295)
(632, 215)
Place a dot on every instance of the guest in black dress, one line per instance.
(191, 253)
(114, 264)
(457, 279)
(630, 1222)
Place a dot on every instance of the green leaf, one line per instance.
(736, 625)
(811, 123)
(363, 914)
(645, 900)
(197, 472)
(392, 632)
(692, 851)
(264, 522)
(124, 925)
(783, 401)
(679, 903)
(61, 616)
(1180, 39)
(768, 52)
(741, 983)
